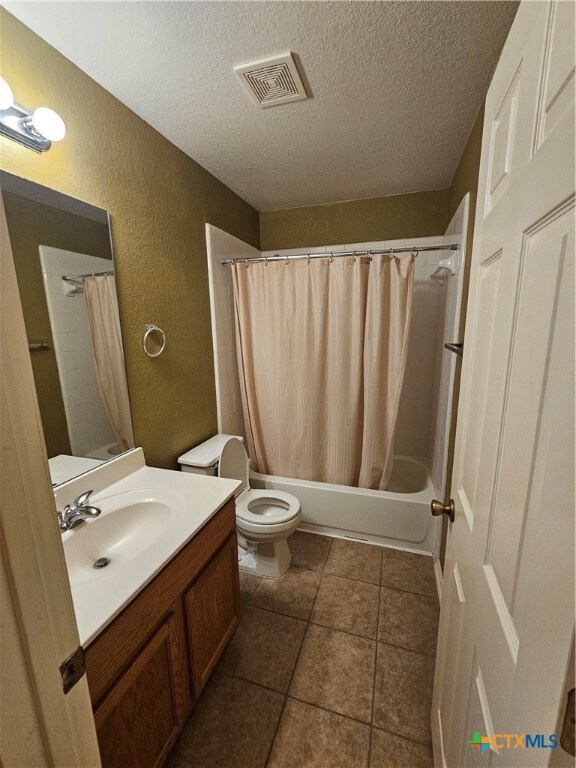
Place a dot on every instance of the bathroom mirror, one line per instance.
(62, 252)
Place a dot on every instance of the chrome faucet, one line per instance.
(79, 512)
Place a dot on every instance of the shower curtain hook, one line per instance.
(286, 262)
(414, 252)
(331, 257)
(308, 257)
(247, 265)
(354, 256)
(265, 261)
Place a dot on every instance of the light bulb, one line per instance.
(6, 95)
(48, 124)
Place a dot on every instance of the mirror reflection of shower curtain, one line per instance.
(322, 352)
(104, 319)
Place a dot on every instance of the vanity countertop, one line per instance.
(147, 517)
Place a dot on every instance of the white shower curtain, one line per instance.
(104, 319)
(321, 354)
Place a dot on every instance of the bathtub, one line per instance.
(399, 517)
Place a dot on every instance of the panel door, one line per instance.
(507, 617)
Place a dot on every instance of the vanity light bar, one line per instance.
(36, 130)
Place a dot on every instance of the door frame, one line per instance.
(40, 724)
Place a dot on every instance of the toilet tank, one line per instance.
(203, 459)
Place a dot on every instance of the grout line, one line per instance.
(427, 744)
(365, 723)
(294, 669)
(404, 648)
(409, 592)
(375, 672)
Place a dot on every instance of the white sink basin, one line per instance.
(148, 515)
(130, 524)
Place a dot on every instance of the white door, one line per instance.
(507, 617)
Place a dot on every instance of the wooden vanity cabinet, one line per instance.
(212, 609)
(148, 667)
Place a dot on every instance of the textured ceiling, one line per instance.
(395, 86)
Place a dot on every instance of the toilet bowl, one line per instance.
(264, 518)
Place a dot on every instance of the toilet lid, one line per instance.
(234, 463)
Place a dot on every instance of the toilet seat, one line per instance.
(258, 510)
(263, 507)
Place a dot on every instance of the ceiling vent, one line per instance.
(272, 81)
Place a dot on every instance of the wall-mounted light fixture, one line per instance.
(36, 131)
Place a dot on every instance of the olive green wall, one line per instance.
(419, 214)
(159, 200)
(31, 224)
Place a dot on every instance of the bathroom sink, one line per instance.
(130, 525)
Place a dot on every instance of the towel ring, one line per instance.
(150, 329)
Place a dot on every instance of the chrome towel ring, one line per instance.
(150, 329)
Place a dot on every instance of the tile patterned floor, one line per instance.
(331, 666)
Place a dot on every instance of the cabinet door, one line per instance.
(212, 609)
(137, 720)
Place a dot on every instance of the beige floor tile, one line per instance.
(309, 737)
(354, 560)
(264, 648)
(233, 724)
(408, 571)
(389, 751)
(403, 692)
(309, 550)
(409, 620)
(336, 671)
(351, 606)
(249, 584)
(293, 594)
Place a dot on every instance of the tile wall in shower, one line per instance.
(220, 245)
(88, 426)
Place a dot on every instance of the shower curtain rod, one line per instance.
(81, 278)
(337, 255)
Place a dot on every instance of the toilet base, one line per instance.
(265, 559)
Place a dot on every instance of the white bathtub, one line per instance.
(399, 517)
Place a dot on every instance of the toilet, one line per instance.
(264, 518)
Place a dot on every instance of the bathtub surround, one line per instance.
(220, 245)
(418, 214)
(322, 349)
(446, 362)
(88, 426)
(159, 200)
